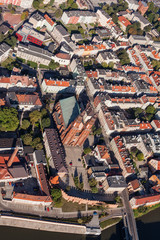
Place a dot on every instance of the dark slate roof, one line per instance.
(56, 149)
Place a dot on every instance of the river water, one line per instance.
(148, 229)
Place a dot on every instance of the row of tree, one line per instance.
(143, 115)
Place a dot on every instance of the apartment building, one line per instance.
(132, 4)
(55, 86)
(39, 19)
(102, 85)
(24, 102)
(54, 152)
(59, 33)
(28, 34)
(107, 57)
(136, 16)
(18, 82)
(143, 7)
(124, 22)
(103, 17)
(92, 49)
(4, 51)
(122, 155)
(21, 3)
(78, 16)
(34, 54)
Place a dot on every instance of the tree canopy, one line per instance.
(8, 119)
(53, 65)
(25, 124)
(87, 150)
(56, 194)
(27, 139)
(123, 56)
(140, 156)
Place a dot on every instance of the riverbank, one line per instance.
(139, 213)
(42, 225)
(109, 223)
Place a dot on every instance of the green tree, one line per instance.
(94, 190)
(11, 41)
(104, 65)
(150, 109)
(92, 182)
(25, 124)
(53, 65)
(137, 112)
(140, 156)
(8, 119)
(56, 194)
(12, 11)
(36, 4)
(147, 28)
(123, 56)
(10, 6)
(43, 112)
(46, 122)
(24, 15)
(35, 117)
(98, 131)
(35, 142)
(87, 150)
(142, 209)
(27, 139)
(118, 199)
(156, 65)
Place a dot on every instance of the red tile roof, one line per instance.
(57, 83)
(124, 21)
(35, 198)
(140, 200)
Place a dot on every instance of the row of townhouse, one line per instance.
(114, 121)
(18, 82)
(107, 74)
(102, 85)
(122, 155)
(78, 16)
(124, 102)
(21, 3)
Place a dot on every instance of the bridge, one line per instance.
(128, 218)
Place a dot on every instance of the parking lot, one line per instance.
(75, 166)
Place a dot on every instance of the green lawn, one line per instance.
(109, 222)
(139, 214)
(70, 206)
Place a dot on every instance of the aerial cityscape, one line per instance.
(80, 119)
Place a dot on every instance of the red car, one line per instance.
(47, 209)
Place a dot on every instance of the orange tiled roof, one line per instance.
(35, 198)
(124, 21)
(49, 20)
(57, 83)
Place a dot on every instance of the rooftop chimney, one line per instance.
(11, 160)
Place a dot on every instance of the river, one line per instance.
(148, 229)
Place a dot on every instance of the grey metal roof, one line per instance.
(18, 171)
(4, 48)
(70, 110)
(35, 51)
(40, 156)
(62, 30)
